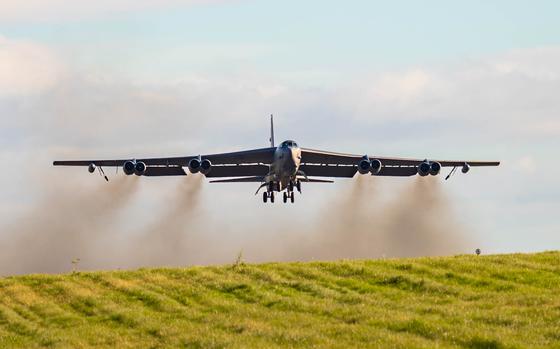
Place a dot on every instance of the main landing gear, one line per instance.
(267, 195)
(289, 195)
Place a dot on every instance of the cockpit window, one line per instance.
(289, 144)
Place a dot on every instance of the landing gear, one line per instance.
(294, 185)
(289, 195)
(267, 195)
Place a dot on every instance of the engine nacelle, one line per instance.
(91, 168)
(364, 166)
(194, 165)
(139, 168)
(205, 166)
(375, 166)
(465, 168)
(129, 167)
(435, 168)
(424, 169)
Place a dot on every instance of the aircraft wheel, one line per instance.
(272, 197)
(285, 197)
(265, 197)
(291, 186)
(298, 186)
(292, 197)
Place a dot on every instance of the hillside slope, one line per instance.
(464, 301)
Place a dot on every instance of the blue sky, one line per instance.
(281, 37)
(435, 79)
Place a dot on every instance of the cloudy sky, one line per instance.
(431, 79)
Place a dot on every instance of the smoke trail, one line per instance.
(421, 222)
(175, 236)
(67, 222)
(71, 221)
(346, 228)
(417, 220)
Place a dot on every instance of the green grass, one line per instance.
(503, 301)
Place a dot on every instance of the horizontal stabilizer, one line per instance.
(315, 180)
(257, 179)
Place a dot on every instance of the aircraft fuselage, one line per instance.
(285, 166)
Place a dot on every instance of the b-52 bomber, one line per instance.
(281, 168)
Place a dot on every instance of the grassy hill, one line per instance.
(501, 301)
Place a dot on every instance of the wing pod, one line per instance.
(205, 166)
(139, 168)
(466, 167)
(194, 165)
(375, 166)
(424, 168)
(129, 167)
(435, 168)
(364, 166)
(91, 168)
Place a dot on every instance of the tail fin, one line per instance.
(271, 130)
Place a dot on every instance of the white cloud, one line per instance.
(513, 93)
(26, 67)
(52, 10)
(536, 63)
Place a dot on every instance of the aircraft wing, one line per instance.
(331, 164)
(255, 156)
(242, 163)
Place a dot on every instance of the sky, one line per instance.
(431, 79)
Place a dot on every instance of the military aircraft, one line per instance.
(278, 168)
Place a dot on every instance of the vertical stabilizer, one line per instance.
(271, 130)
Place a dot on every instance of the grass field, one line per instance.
(502, 301)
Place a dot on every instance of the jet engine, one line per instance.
(129, 167)
(364, 166)
(435, 168)
(465, 168)
(139, 168)
(376, 166)
(424, 169)
(194, 165)
(205, 166)
(91, 168)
